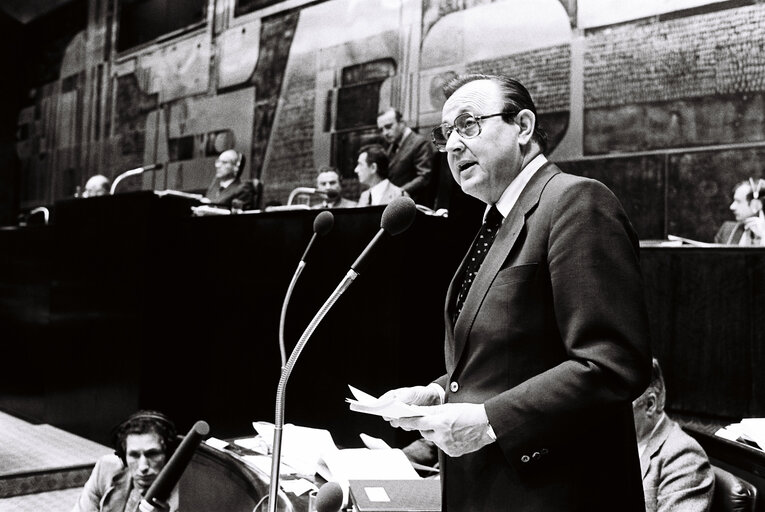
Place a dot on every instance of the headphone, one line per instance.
(141, 422)
(756, 194)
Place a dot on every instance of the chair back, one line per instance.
(732, 493)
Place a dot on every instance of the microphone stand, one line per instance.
(133, 172)
(286, 371)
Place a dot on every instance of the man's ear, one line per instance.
(526, 120)
(651, 404)
(374, 167)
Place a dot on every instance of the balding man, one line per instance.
(97, 185)
(228, 189)
(409, 154)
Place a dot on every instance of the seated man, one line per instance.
(372, 170)
(749, 226)
(97, 185)
(676, 472)
(227, 189)
(143, 444)
(328, 181)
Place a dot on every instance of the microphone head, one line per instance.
(329, 498)
(323, 223)
(398, 215)
(201, 428)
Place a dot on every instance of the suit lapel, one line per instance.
(503, 244)
(654, 445)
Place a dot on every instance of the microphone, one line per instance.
(329, 498)
(322, 225)
(157, 495)
(396, 218)
(133, 172)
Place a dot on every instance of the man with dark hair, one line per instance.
(410, 155)
(328, 182)
(228, 189)
(749, 227)
(676, 471)
(547, 339)
(372, 170)
(143, 444)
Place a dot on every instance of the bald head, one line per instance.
(226, 165)
(97, 185)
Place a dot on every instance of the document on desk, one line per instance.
(389, 408)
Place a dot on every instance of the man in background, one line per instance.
(143, 444)
(676, 471)
(409, 154)
(328, 181)
(372, 170)
(97, 185)
(749, 227)
(227, 189)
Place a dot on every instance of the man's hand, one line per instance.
(432, 394)
(456, 429)
(756, 225)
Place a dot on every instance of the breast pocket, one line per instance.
(516, 274)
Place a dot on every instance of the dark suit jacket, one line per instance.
(410, 166)
(730, 233)
(553, 339)
(244, 191)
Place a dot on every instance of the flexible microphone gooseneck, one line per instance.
(396, 218)
(157, 495)
(133, 172)
(322, 225)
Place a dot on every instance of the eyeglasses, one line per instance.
(466, 124)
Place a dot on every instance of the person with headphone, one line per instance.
(143, 444)
(749, 227)
(227, 189)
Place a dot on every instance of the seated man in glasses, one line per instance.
(227, 189)
(372, 170)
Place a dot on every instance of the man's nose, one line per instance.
(143, 463)
(454, 143)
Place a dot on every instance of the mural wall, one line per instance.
(662, 101)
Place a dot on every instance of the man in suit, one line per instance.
(676, 471)
(547, 339)
(328, 181)
(372, 170)
(410, 156)
(143, 444)
(227, 189)
(749, 227)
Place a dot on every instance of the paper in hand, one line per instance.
(388, 408)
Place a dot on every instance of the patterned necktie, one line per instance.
(477, 253)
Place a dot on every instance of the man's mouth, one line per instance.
(463, 166)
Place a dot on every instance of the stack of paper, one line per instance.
(750, 431)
